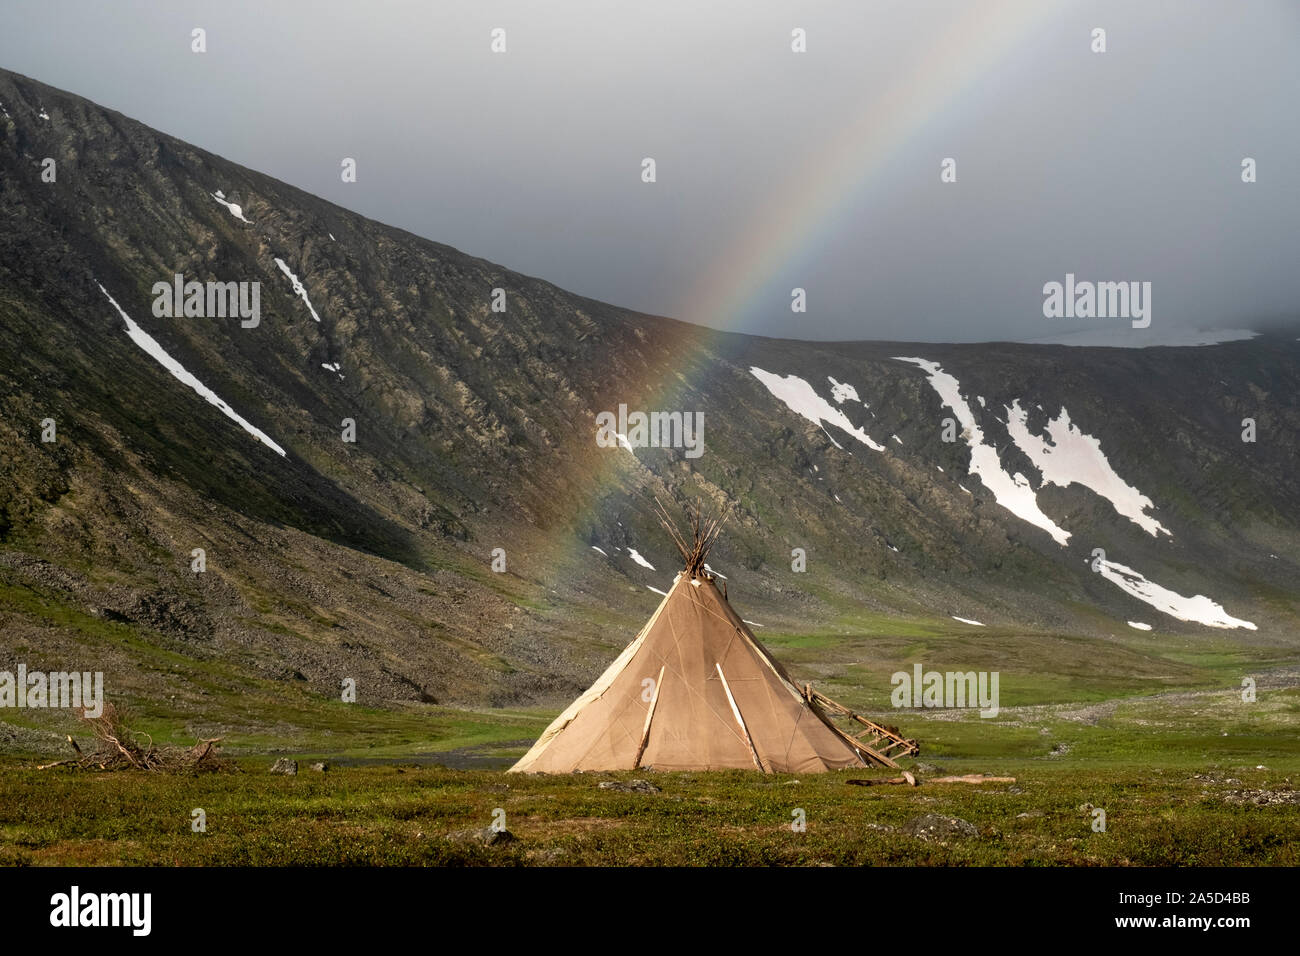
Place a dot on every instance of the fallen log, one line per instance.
(906, 778)
(910, 780)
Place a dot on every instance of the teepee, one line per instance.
(696, 690)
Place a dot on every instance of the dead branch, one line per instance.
(119, 748)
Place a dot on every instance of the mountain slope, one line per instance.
(475, 430)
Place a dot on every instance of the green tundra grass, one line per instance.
(1185, 777)
(393, 815)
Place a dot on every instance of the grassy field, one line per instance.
(1190, 777)
(392, 815)
(1152, 729)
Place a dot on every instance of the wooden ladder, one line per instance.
(879, 743)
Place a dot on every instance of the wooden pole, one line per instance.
(649, 715)
(740, 720)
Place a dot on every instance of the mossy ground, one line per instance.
(391, 815)
(1175, 774)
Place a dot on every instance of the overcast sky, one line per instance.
(774, 169)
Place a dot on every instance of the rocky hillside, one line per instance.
(475, 429)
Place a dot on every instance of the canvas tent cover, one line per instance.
(694, 691)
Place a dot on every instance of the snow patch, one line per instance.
(753, 623)
(801, 399)
(1199, 609)
(236, 210)
(712, 572)
(843, 393)
(1012, 492)
(1067, 456)
(1139, 625)
(636, 556)
(966, 620)
(657, 591)
(297, 287)
(147, 342)
(594, 548)
(335, 367)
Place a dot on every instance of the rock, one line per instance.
(631, 786)
(936, 828)
(926, 768)
(487, 836)
(1263, 798)
(320, 767)
(285, 766)
(1030, 815)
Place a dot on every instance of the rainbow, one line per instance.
(813, 200)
